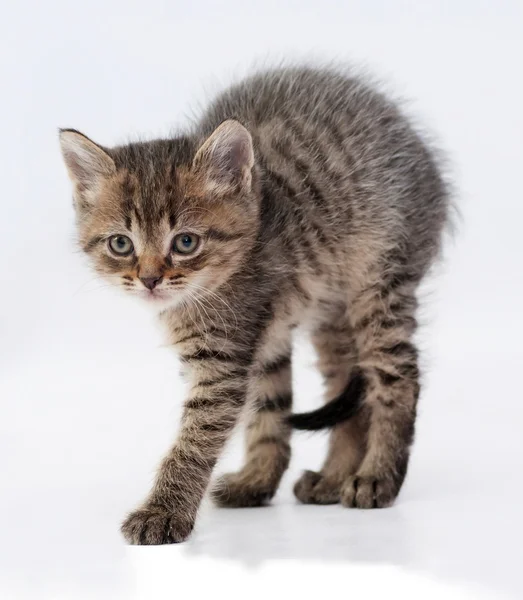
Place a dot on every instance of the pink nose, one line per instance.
(151, 282)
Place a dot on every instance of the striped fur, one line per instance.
(314, 203)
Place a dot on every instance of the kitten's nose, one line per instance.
(151, 282)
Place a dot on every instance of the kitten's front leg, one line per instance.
(219, 382)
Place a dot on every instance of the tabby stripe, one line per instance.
(309, 250)
(281, 183)
(216, 427)
(137, 216)
(340, 139)
(314, 192)
(271, 204)
(318, 199)
(398, 280)
(128, 193)
(387, 378)
(381, 320)
(193, 336)
(113, 263)
(366, 321)
(265, 315)
(203, 355)
(284, 187)
(402, 321)
(306, 229)
(389, 323)
(302, 242)
(199, 403)
(211, 332)
(211, 382)
(402, 305)
(318, 154)
(276, 365)
(222, 236)
(282, 146)
(231, 397)
(92, 243)
(389, 318)
(400, 348)
(409, 370)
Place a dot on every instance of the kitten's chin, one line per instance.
(159, 300)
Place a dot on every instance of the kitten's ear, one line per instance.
(86, 162)
(226, 159)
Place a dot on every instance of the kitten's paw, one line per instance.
(368, 492)
(236, 490)
(155, 525)
(314, 488)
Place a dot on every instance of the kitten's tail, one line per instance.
(342, 408)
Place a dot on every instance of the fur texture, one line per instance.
(310, 200)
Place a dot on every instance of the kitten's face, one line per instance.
(161, 222)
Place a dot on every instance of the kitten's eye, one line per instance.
(121, 245)
(185, 243)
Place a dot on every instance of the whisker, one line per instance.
(218, 298)
(97, 278)
(202, 300)
(188, 311)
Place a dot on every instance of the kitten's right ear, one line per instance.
(86, 162)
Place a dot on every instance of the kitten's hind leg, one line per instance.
(267, 438)
(388, 359)
(336, 352)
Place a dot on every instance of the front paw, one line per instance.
(154, 525)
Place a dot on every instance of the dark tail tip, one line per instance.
(342, 408)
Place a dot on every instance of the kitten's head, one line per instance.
(165, 220)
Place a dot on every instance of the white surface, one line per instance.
(89, 397)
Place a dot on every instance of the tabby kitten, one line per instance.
(301, 197)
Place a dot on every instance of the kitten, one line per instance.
(301, 197)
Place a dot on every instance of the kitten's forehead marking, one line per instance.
(149, 207)
(154, 240)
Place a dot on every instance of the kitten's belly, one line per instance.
(328, 301)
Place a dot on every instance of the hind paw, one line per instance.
(368, 492)
(315, 488)
(235, 491)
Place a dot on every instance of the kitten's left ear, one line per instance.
(86, 162)
(226, 159)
